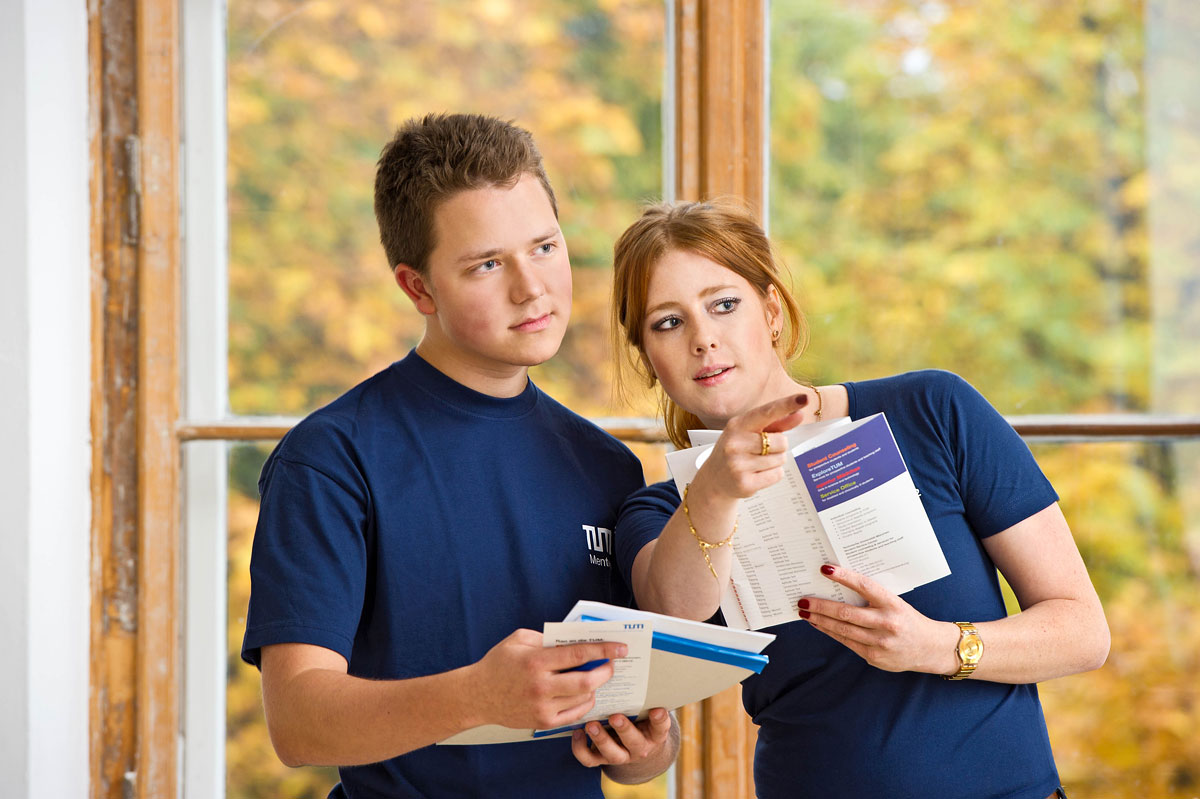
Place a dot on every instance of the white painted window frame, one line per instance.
(205, 396)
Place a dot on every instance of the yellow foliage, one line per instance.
(539, 32)
(654, 789)
(495, 12)
(334, 62)
(321, 10)
(374, 23)
(244, 108)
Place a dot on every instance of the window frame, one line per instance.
(205, 389)
(134, 676)
(159, 401)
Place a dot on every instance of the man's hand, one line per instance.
(523, 684)
(630, 753)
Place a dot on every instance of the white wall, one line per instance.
(45, 455)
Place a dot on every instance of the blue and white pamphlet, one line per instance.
(847, 498)
(671, 662)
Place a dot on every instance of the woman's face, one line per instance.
(707, 336)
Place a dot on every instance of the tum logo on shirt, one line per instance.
(599, 539)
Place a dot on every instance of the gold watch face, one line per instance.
(970, 648)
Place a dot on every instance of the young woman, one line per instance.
(929, 694)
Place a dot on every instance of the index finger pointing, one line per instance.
(775, 416)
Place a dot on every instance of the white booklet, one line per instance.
(671, 662)
(625, 691)
(847, 498)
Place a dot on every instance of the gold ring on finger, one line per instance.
(766, 444)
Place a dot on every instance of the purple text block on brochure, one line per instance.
(851, 464)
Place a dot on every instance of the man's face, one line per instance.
(498, 284)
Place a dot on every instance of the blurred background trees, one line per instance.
(974, 174)
(988, 187)
(317, 88)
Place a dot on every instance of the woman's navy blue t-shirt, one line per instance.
(412, 524)
(833, 726)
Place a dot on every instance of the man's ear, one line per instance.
(416, 286)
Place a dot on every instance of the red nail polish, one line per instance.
(803, 604)
(801, 400)
(804, 614)
(826, 569)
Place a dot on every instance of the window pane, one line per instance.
(1129, 729)
(1006, 190)
(316, 89)
(252, 768)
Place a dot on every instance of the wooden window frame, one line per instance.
(135, 675)
(136, 678)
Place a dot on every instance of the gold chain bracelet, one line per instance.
(704, 545)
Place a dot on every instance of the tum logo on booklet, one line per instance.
(599, 539)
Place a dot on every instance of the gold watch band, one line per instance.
(969, 650)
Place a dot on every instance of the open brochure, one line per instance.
(847, 498)
(671, 662)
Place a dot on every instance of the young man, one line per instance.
(413, 530)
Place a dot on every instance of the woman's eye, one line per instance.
(666, 324)
(726, 305)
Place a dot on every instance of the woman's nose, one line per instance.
(703, 340)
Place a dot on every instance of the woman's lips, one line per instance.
(534, 325)
(712, 375)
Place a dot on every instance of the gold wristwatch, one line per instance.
(969, 651)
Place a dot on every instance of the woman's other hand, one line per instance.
(888, 633)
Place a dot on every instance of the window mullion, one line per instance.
(206, 391)
(720, 129)
(155, 229)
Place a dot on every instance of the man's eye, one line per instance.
(546, 248)
(487, 266)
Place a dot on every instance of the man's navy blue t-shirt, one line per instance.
(412, 524)
(832, 725)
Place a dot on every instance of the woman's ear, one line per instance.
(416, 286)
(774, 309)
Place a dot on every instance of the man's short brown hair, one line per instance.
(430, 159)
